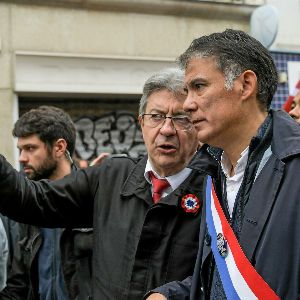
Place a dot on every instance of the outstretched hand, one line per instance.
(156, 296)
(98, 160)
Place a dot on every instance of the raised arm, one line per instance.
(62, 203)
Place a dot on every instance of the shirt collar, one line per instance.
(217, 153)
(240, 166)
(174, 180)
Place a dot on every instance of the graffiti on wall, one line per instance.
(116, 132)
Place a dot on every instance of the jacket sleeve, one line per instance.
(3, 256)
(12, 233)
(17, 285)
(175, 290)
(67, 202)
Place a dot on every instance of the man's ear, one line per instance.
(249, 84)
(140, 119)
(59, 148)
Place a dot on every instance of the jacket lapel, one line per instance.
(260, 205)
(262, 197)
(285, 143)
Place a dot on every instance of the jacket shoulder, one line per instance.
(122, 159)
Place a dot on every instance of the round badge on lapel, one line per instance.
(190, 203)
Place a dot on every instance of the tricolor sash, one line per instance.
(239, 278)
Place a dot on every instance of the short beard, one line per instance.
(45, 171)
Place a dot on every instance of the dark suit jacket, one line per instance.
(137, 245)
(270, 235)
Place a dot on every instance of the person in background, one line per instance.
(3, 255)
(46, 139)
(145, 212)
(292, 104)
(12, 233)
(83, 163)
(249, 246)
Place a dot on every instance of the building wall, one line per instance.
(151, 30)
(288, 37)
(286, 48)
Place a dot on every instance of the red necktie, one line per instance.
(159, 185)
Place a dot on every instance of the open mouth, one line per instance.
(167, 148)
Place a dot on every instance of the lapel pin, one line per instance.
(190, 203)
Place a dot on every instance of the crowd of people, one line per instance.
(212, 211)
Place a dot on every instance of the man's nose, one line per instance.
(23, 157)
(189, 103)
(167, 127)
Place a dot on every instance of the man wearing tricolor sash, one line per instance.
(250, 227)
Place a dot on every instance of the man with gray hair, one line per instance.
(145, 213)
(249, 246)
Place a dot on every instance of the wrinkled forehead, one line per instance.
(170, 108)
(166, 96)
(201, 68)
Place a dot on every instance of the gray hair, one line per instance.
(171, 79)
(235, 52)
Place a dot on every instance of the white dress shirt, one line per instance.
(234, 182)
(174, 180)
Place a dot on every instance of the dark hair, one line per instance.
(49, 123)
(235, 52)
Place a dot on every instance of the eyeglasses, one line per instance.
(180, 122)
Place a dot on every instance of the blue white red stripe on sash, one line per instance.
(239, 278)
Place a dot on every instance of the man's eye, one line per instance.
(198, 86)
(29, 148)
(157, 117)
(182, 120)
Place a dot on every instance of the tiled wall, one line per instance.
(281, 59)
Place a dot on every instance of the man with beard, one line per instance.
(46, 139)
